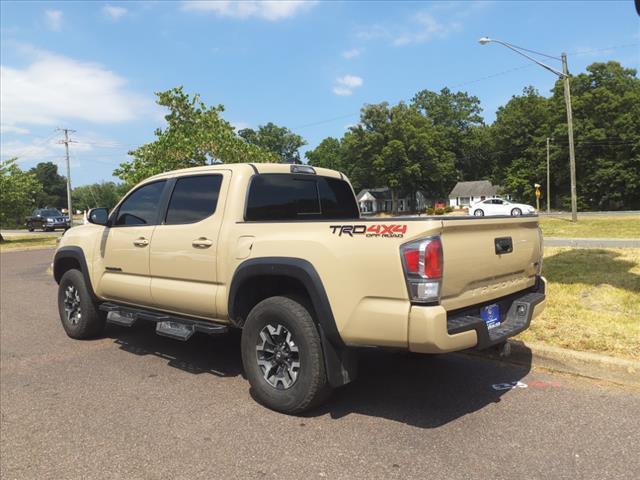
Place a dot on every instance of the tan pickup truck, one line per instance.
(281, 252)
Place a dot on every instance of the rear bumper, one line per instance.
(434, 330)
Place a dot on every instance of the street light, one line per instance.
(564, 75)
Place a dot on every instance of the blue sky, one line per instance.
(310, 66)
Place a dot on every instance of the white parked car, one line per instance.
(498, 206)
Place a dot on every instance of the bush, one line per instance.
(430, 211)
(439, 211)
(448, 209)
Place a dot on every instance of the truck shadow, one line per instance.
(217, 355)
(419, 390)
(425, 391)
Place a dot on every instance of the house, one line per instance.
(376, 200)
(468, 193)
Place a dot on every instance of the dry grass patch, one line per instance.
(593, 302)
(592, 227)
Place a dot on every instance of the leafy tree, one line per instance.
(195, 135)
(278, 140)
(606, 110)
(18, 191)
(328, 154)
(105, 194)
(54, 186)
(457, 116)
(519, 141)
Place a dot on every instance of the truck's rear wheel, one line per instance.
(282, 356)
(79, 315)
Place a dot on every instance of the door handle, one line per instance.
(141, 242)
(202, 242)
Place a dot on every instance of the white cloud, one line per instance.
(4, 128)
(271, 10)
(428, 28)
(350, 81)
(436, 22)
(54, 89)
(53, 19)
(114, 12)
(342, 91)
(351, 53)
(346, 84)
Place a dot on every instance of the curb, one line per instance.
(591, 365)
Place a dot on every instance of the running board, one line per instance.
(179, 328)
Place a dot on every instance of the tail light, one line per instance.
(422, 264)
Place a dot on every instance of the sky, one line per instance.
(310, 66)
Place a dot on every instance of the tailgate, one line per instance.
(478, 266)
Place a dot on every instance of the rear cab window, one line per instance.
(286, 197)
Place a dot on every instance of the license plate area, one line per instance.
(491, 315)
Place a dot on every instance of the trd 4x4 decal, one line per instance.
(379, 230)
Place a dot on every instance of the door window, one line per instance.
(193, 199)
(141, 207)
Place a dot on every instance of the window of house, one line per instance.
(141, 207)
(193, 199)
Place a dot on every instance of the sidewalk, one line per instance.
(592, 242)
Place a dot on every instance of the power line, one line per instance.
(596, 50)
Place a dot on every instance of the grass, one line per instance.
(28, 242)
(593, 301)
(592, 227)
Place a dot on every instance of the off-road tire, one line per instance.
(516, 212)
(30, 227)
(91, 322)
(478, 213)
(311, 386)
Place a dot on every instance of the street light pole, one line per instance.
(572, 154)
(548, 180)
(564, 75)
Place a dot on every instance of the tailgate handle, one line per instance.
(503, 245)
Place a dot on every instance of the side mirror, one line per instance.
(99, 216)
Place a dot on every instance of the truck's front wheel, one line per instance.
(282, 356)
(79, 315)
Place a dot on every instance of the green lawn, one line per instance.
(593, 301)
(28, 242)
(592, 227)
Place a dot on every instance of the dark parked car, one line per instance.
(47, 219)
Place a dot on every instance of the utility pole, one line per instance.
(66, 142)
(548, 180)
(572, 154)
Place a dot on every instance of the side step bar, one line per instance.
(179, 328)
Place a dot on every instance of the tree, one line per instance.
(399, 148)
(519, 137)
(54, 186)
(457, 116)
(278, 140)
(105, 194)
(328, 154)
(606, 110)
(195, 135)
(18, 191)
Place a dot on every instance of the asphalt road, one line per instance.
(592, 242)
(135, 405)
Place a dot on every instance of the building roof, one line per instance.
(477, 188)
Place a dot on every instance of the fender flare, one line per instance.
(340, 361)
(77, 254)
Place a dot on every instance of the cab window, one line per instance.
(141, 207)
(193, 199)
